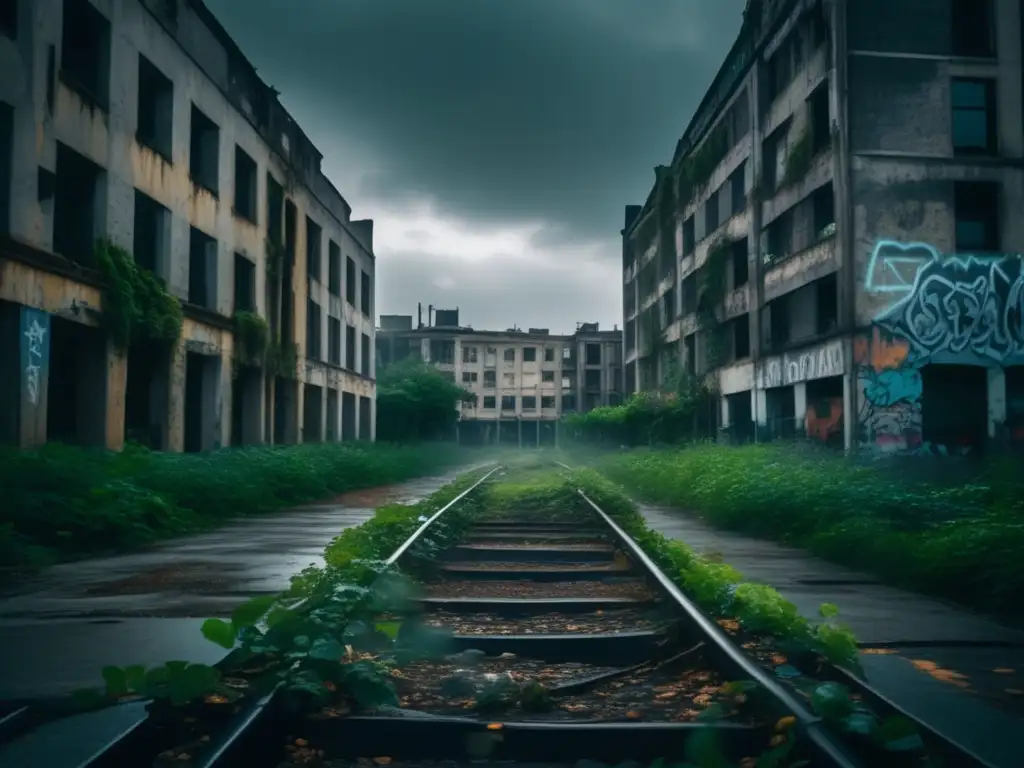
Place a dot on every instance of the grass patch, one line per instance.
(61, 502)
(952, 528)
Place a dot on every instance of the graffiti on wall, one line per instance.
(35, 351)
(943, 309)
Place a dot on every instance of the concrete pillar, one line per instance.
(116, 388)
(176, 399)
(300, 408)
(497, 431)
(996, 400)
(849, 412)
(724, 403)
(557, 430)
(760, 406)
(800, 403)
(537, 425)
(519, 425)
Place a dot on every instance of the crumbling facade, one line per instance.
(140, 122)
(833, 246)
(524, 381)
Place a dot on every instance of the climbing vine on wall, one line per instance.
(252, 338)
(137, 306)
(282, 359)
(799, 157)
(696, 169)
(711, 289)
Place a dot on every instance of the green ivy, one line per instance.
(252, 338)
(137, 308)
(282, 359)
(697, 168)
(798, 160)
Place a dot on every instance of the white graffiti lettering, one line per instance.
(820, 363)
(36, 335)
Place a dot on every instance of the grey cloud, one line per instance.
(497, 112)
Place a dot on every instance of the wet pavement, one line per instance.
(61, 627)
(960, 672)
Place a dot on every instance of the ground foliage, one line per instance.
(61, 501)
(416, 402)
(935, 524)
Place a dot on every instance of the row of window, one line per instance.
(471, 354)
(315, 347)
(508, 402)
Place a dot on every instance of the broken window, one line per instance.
(245, 185)
(529, 354)
(350, 281)
(529, 402)
(77, 203)
(156, 109)
(490, 380)
(313, 238)
(824, 203)
(85, 51)
(9, 18)
(547, 401)
(508, 402)
(366, 353)
(740, 263)
(549, 354)
(366, 295)
(827, 304)
(510, 355)
(6, 160)
(976, 212)
(204, 147)
(334, 341)
(779, 325)
(547, 376)
(778, 238)
(592, 379)
(689, 236)
(442, 351)
(593, 353)
(350, 347)
(469, 354)
(973, 28)
(738, 189)
(245, 284)
(152, 236)
(974, 115)
(741, 337)
(334, 268)
(202, 269)
(469, 377)
(489, 402)
(821, 122)
(314, 343)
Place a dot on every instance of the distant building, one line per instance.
(835, 244)
(523, 380)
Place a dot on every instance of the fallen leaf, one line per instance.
(702, 699)
(785, 723)
(941, 674)
(729, 625)
(777, 740)
(494, 726)
(634, 715)
(778, 658)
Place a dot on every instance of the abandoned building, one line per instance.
(141, 124)
(834, 245)
(524, 381)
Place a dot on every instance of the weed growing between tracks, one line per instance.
(933, 524)
(61, 501)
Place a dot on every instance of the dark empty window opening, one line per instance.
(365, 295)
(489, 402)
(778, 238)
(547, 401)
(152, 236)
(778, 324)
(592, 379)
(334, 341)
(689, 236)
(77, 206)
(334, 268)
(827, 301)
(245, 185)
(350, 281)
(510, 355)
(156, 109)
(85, 51)
(529, 402)
(350, 347)
(711, 214)
(9, 18)
(821, 122)
(740, 264)
(737, 187)
(508, 402)
(976, 212)
(490, 379)
(442, 351)
(245, 284)
(824, 211)
(202, 269)
(549, 354)
(6, 163)
(275, 201)
(366, 353)
(593, 354)
(973, 28)
(314, 341)
(954, 406)
(547, 376)
(529, 354)
(741, 337)
(204, 162)
(974, 116)
(770, 162)
(689, 295)
(365, 418)
(313, 245)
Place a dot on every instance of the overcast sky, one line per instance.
(494, 142)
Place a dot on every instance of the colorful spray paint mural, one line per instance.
(965, 310)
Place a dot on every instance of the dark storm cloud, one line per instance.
(496, 111)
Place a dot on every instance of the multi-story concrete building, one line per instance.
(834, 244)
(523, 380)
(142, 123)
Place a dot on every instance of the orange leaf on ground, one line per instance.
(941, 674)
(878, 651)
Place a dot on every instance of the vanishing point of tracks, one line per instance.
(566, 643)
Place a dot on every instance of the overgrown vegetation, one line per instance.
(949, 528)
(60, 501)
(416, 402)
(799, 157)
(695, 171)
(252, 338)
(137, 307)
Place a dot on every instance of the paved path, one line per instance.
(63, 626)
(936, 660)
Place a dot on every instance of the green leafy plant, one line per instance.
(799, 157)
(416, 402)
(252, 338)
(137, 308)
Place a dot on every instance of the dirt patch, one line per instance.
(195, 578)
(632, 589)
(598, 622)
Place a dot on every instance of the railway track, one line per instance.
(538, 639)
